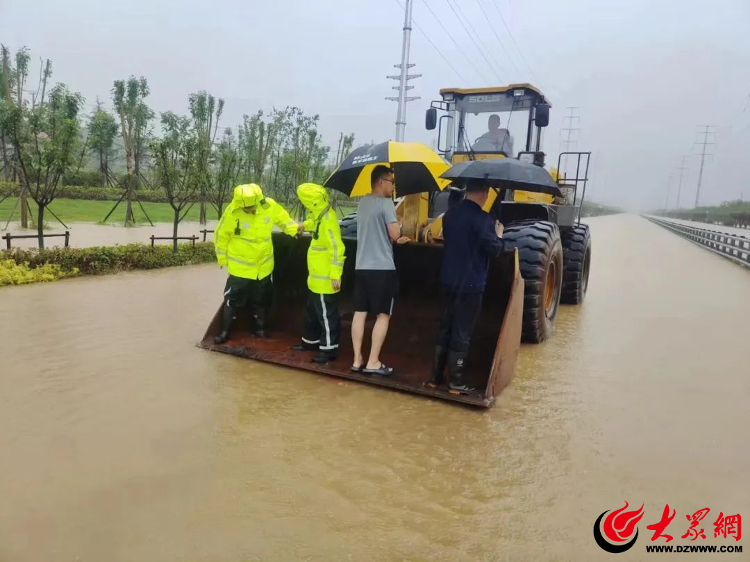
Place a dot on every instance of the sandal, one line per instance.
(354, 369)
(382, 371)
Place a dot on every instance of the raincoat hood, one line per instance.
(247, 195)
(313, 196)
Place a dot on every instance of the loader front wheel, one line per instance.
(540, 258)
(576, 262)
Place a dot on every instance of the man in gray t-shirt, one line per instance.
(376, 281)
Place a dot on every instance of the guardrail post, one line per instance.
(67, 238)
(7, 240)
(152, 240)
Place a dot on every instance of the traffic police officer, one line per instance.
(325, 264)
(242, 242)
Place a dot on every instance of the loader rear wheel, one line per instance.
(576, 262)
(540, 258)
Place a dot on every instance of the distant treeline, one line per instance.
(729, 213)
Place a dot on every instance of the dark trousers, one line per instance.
(322, 322)
(240, 292)
(459, 314)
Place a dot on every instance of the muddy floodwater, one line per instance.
(121, 441)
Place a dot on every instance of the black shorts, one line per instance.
(375, 290)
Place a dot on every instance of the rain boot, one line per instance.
(324, 357)
(260, 323)
(227, 319)
(457, 364)
(304, 346)
(438, 367)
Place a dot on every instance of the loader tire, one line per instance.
(576, 263)
(540, 258)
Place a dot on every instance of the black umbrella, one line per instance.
(507, 173)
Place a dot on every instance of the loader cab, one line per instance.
(500, 122)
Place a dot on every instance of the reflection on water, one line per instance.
(122, 441)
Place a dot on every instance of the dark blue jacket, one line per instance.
(470, 241)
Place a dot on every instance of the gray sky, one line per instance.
(644, 73)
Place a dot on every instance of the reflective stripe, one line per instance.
(290, 223)
(310, 341)
(254, 240)
(317, 249)
(337, 263)
(335, 247)
(391, 312)
(325, 323)
(218, 226)
(328, 347)
(243, 262)
(265, 261)
(319, 277)
(221, 252)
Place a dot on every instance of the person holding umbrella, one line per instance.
(369, 172)
(470, 239)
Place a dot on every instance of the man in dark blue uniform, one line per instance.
(471, 238)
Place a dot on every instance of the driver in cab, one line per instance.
(495, 139)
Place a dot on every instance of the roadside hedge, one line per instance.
(12, 273)
(111, 259)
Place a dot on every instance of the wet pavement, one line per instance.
(121, 441)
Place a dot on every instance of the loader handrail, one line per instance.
(732, 246)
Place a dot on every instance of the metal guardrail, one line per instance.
(732, 246)
(8, 237)
(205, 232)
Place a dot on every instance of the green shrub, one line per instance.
(111, 259)
(83, 177)
(12, 273)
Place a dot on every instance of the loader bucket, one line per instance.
(411, 336)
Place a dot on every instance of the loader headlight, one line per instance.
(527, 157)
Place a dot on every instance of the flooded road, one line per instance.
(120, 441)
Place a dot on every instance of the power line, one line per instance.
(492, 27)
(481, 52)
(486, 49)
(437, 50)
(448, 33)
(706, 131)
(510, 33)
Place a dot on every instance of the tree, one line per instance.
(128, 97)
(256, 139)
(223, 176)
(102, 133)
(6, 80)
(206, 113)
(175, 163)
(46, 141)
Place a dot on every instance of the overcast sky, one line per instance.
(645, 73)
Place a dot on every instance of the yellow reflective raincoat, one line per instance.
(325, 257)
(242, 241)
